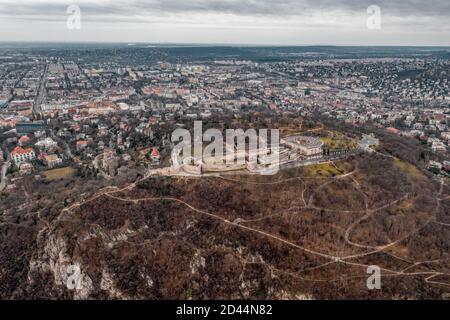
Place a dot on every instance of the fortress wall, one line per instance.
(223, 168)
(194, 170)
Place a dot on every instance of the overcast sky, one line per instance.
(285, 22)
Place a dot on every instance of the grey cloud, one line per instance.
(296, 7)
(237, 7)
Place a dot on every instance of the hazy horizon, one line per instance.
(188, 44)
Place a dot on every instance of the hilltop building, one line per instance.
(310, 147)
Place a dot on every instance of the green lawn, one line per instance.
(334, 143)
(324, 169)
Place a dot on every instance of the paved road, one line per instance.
(5, 167)
(3, 175)
(68, 152)
(41, 93)
(89, 79)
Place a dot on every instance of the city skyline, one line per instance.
(224, 155)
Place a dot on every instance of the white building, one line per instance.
(438, 146)
(53, 160)
(47, 143)
(20, 155)
(307, 146)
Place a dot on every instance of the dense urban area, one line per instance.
(87, 174)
